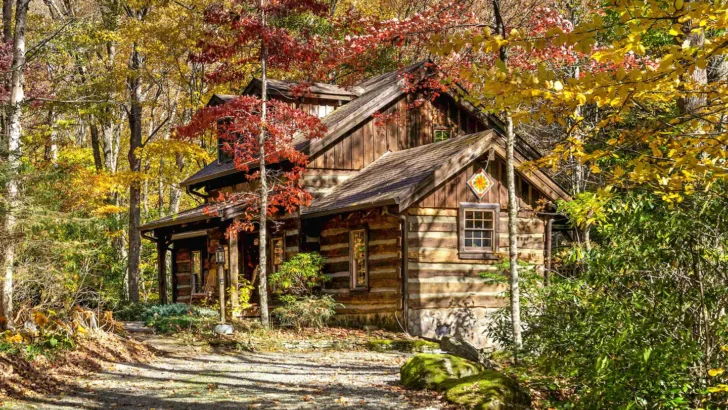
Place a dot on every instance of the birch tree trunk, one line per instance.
(262, 234)
(512, 201)
(513, 233)
(15, 110)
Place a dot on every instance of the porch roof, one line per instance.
(199, 213)
(400, 178)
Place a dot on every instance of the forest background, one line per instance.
(626, 99)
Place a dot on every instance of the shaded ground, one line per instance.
(189, 378)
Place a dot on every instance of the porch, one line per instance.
(186, 247)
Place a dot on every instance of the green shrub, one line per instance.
(300, 275)
(639, 318)
(305, 311)
(131, 311)
(176, 309)
(178, 316)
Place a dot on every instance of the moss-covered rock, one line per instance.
(402, 345)
(488, 390)
(430, 371)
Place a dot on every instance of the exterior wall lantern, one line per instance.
(220, 255)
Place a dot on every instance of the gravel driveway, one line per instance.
(188, 378)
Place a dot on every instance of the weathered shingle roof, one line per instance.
(372, 95)
(291, 88)
(196, 214)
(396, 176)
(186, 216)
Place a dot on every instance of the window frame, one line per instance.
(273, 253)
(352, 260)
(437, 129)
(470, 253)
(223, 156)
(193, 278)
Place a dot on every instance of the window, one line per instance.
(277, 251)
(224, 151)
(198, 281)
(358, 259)
(224, 146)
(478, 230)
(442, 134)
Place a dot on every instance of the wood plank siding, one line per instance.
(407, 122)
(446, 292)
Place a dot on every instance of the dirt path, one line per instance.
(188, 378)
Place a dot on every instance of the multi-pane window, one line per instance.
(478, 228)
(277, 253)
(224, 150)
(442, 135)
(359, 275)
(225, 145)
(197, 279)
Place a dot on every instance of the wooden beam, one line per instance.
(162, 269)
(233, 273)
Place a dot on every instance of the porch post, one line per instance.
(234, 272)
(162, 268)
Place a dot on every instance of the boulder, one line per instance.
(466, 350)
(430, 371)
(489, 390)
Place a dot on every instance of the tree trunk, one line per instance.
(96, 146)
(51, 154)
(512, 202)
(175, 193)
(107, 144)
(513, 234)
(135, 142)
(7, 21)
(263, 286)
(17, 96)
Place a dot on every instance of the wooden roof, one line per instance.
(403, 177)
(373, 94)
(196, 214)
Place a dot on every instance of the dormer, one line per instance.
(317, 99)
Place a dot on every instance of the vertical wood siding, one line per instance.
(407, 122)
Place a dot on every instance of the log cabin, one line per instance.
(408, 213)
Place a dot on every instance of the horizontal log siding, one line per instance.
(444, 288)
(434, 259)
(383, 298)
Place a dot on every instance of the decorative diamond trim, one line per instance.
(480, 183)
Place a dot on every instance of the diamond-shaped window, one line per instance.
(480, 183)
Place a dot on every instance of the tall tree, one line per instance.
(134, 113)
(512, 198)
(266, 29)
(15, 111)
(263, 233)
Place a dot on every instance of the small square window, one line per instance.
(442, 135)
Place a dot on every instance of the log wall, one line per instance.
(446, 291)
(383, 298)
